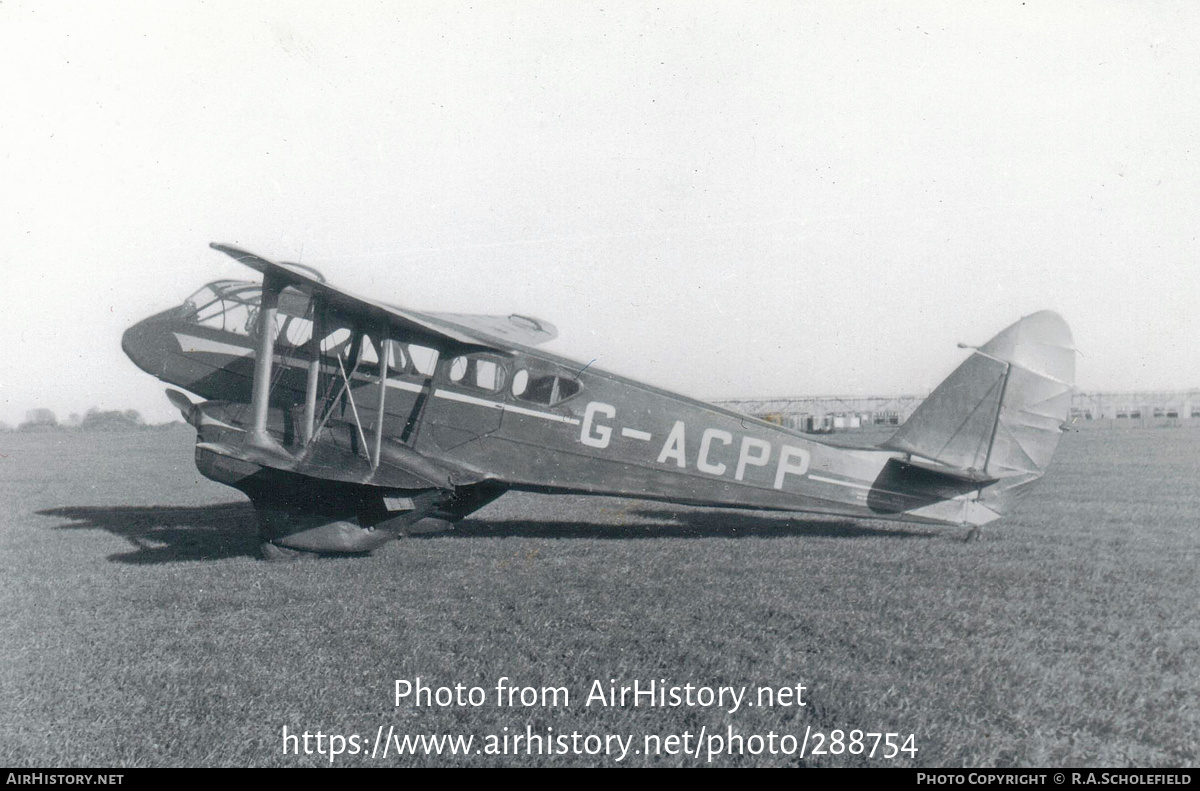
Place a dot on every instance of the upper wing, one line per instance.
(459, 331)
(514, 328)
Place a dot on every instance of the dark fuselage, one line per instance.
(531, 420)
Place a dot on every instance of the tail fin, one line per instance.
(1000, 414)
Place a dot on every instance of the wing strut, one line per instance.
(384, 351)
(350, 395)
(261, 392)
(314, 370)
(330, 404)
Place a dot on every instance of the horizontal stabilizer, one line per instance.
(957, 474)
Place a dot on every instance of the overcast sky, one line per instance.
(726, 199)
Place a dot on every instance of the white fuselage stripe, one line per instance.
(190, 343)
(839, 483)
(450, 395)
(411, 387)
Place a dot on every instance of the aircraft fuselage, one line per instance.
(339, 415)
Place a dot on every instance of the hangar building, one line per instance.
(825, 414)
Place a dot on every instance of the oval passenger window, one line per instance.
(520, 382)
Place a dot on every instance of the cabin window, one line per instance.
(240, 318)
(487, 375)
(397, 360)
(335, 340)
(566, 388)
(232, 306)
(479, 372)
(520, 382)
(226, 305)
(204, 305)
(368, 354)
(424, 359)
(211, 315)
(548, 390)
(227, 316)
(297, 331)
(368, 357)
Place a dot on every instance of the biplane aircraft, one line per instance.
(349, 422)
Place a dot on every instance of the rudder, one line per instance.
(999, 415)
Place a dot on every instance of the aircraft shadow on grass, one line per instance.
(172, 534)
(169, 534)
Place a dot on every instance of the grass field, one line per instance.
(138, 628)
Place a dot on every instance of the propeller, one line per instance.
(185, 406)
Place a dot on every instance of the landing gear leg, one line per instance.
(972, 535)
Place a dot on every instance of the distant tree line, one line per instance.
(42, 419)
